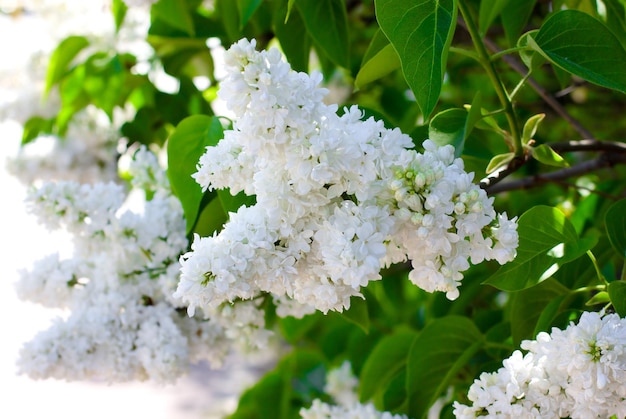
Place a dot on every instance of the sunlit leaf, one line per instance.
(184, 148)
(547, 240)
(421, 33)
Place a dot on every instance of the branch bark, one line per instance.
(605, 160)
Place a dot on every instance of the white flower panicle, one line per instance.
(122, 321)
(337, 199)
(578, 373)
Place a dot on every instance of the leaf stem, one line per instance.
(487, 63)
(596, 267)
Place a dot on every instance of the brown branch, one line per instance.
(588, 145)
(605, 160)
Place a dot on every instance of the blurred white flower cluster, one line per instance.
(337, 199)
(578, 373)
(341, 386)
(122, 322)
(87, 152)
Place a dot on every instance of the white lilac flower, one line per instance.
(321, 410)
(578, 372)
(337, 199)
(122, 321)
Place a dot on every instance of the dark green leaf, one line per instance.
(184, 148)
(515, 18)
(293, 38)
(488, 11)
(617, 292)
(358, 313)
(246, 10)
(62, 57)
(583, 46)
(547, 240)
(421, 34)
(175, 13)
(387, 358)
(326, 21)
(615, 221)
(449, 127)
(441, 349)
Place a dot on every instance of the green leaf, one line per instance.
(515, 18)
(600, 298)
(546, 155)
(499, 161)
(547, 240)
(615, 221)
(185, 146)
(175, 13)
(119, 9)
(583, 46)
(421, 34)
(441, 349)
(617, 292)
(379, 60)
(62, 57)
(449, 127)
(531, 304)
(488, 11)
(293, 38)
(387, 358)
(34, 127)
(530, 127)
(246, 10)
(358, 313)
(326, 21)
(530, 57)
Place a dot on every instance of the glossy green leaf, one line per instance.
(531, 304)
(293, 37)
(617, 292)
(546, 155)
(379, 60)
(184, 148)
(326, 21)
(488, 11)
(530, 57)
(441, 349)
(421, 33)
(615, 221)
(62, 57)
(246, 10)
(387, 358)
(499, 161)
(547, 240)
(515, 17)
(449, 127)
(585, 47)
(175, 13)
